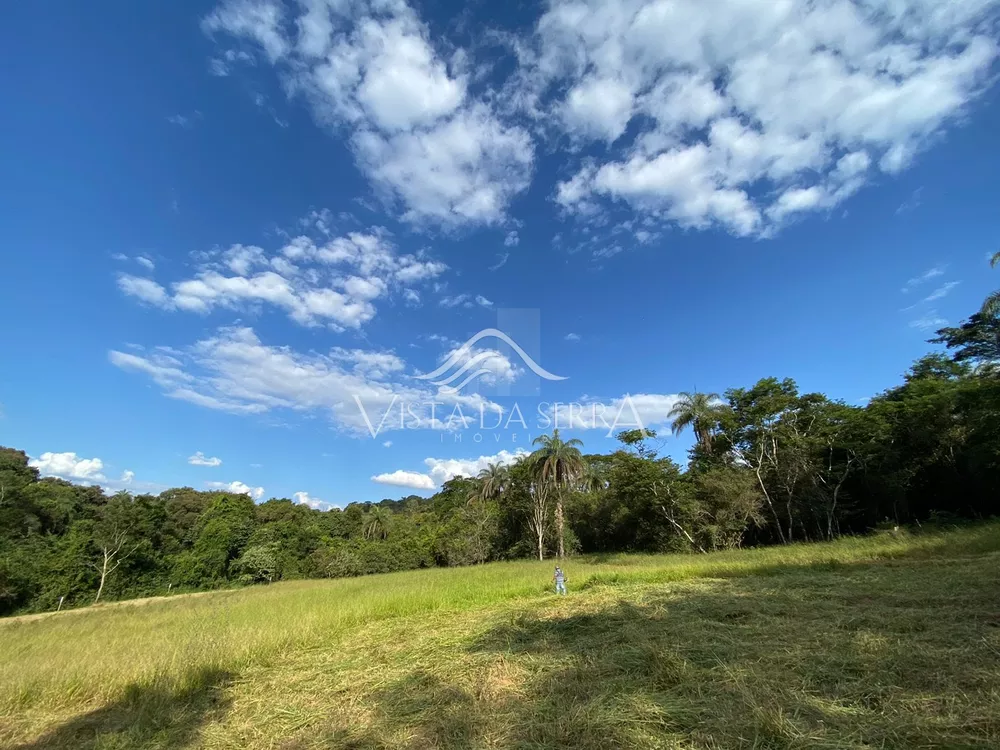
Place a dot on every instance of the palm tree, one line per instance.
(699, 411)
(558, 462)
(493, 480)
(991, 305)
(377, 523)
(591, 479)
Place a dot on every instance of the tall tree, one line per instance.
(377, 523)
(493, 480)
(114, 538)
(558, 463)
(991, 305)
(700, 412)
(975, 340)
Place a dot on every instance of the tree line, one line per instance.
(770, 465)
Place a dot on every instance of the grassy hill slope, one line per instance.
(886, 641)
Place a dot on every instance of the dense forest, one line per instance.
(770, 465)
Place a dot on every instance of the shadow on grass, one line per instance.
(161, 715)
(870, 656)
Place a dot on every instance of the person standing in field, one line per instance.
(560, 578)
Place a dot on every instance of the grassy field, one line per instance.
(878, 642)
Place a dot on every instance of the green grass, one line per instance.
(884, 641)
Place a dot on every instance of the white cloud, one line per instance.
(387, 444)
(464, 300)
(145, 290)
(234, 371)
(370, 69)
(572, 337)
(493, 366)
(200, 459)
(227, 61)
(512, 239)
(334, 283)
(930, 321)
(598, 107)
(185, 121)
(304, 498)
(69, 466)
(941, 291)
(89, 471)
(145, 262)
(238, 488)
(501, 261)
(649, 410)
(259, 20)
(441, 470)
(456, 300)
(911, 203)
(748, 113)
(413, 479)
(932, 273)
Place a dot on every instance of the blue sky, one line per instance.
(224, 221)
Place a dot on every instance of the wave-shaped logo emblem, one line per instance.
(461, 355)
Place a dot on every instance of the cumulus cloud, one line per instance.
(200, 459)
(412, 479)
(335, 282)
(746, 115)
(742, 115)
(90, 471)
(370, 71)
(69, 466)
(441, 470)
(234, 371)
(572, 337)
(238, 488)
(304, 498)
(145, 290)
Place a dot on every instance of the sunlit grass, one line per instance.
(250, 667)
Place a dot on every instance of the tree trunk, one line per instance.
(683, 531)
(767, 497)
(559, 524)
(104, 576)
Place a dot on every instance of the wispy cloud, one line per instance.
(910, 203)
(941, 291)
(185, 121)
(928, 322)
(572, 336)
(501, 262)
(926, 276)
